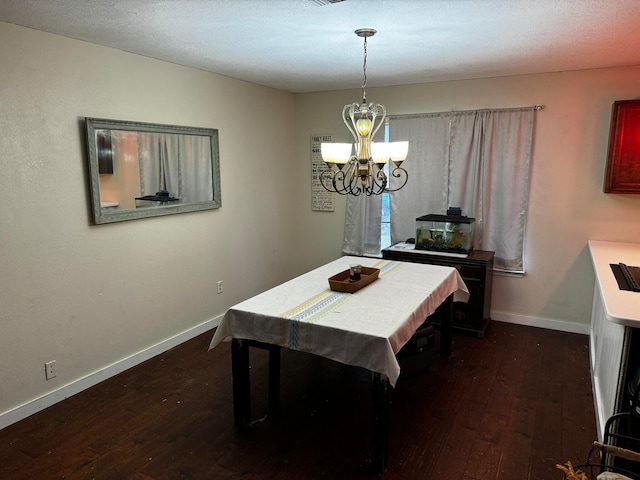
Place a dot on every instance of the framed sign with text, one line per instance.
(623, 159)
(321, 199)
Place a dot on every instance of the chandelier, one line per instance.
(363, 172)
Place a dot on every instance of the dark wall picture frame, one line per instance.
(623, 158)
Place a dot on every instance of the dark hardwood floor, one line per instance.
(508, 406)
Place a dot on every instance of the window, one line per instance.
(475, 160)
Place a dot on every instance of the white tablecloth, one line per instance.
(366, 328)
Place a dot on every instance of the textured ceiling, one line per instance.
(309, 45)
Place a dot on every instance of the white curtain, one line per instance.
(362, 225)
(180, 164)
(195, 158)
(160, 167)
(363, 222)
(490, 158)
(427, 165)
(476, 160)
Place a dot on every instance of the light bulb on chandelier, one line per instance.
(350, 173)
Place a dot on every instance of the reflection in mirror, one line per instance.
(140, 170)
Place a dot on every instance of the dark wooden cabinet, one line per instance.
(476, 270)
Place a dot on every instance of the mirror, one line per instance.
(140, 170)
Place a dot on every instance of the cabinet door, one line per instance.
(606, 346)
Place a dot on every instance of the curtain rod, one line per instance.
(408, 115)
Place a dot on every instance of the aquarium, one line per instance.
(445, 233)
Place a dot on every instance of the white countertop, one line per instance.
(621, 306)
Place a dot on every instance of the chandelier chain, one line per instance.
(364, 73)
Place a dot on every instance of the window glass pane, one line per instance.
(385, 225)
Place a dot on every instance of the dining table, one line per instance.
(365, 327)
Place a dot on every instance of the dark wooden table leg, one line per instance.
(274, 378)
(274, 372)
(241, 382)
(446, 329)
(380, 422)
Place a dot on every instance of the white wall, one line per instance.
(89, 296)
(567, 204)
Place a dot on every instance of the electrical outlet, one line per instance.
(220, 286)
(50, 370)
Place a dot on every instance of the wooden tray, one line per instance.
(340, 282)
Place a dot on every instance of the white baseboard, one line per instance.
(547, 323)
(23, 411)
